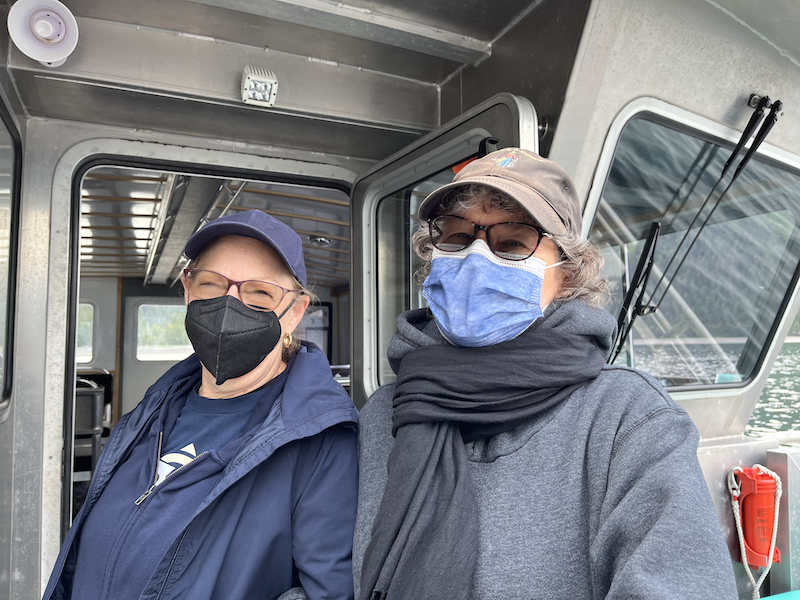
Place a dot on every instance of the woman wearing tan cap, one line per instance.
(508, 460)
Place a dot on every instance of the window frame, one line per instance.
(13, 254)
(682, 120)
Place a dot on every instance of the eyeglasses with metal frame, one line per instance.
(510, 241)
(258, 295)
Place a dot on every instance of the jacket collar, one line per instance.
(312, 401)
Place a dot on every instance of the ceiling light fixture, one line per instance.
(44, 30)
(319, 240)
(259, 86)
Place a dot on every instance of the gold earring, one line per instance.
(287, 340)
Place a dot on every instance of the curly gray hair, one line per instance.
(582, 263)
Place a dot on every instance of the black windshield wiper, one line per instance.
(639, 282)
(755, 119)
(766, 127)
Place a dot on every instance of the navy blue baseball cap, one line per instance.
(259, 226)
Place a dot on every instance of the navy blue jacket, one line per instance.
(280, 515)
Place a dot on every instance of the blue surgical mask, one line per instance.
(480, 299)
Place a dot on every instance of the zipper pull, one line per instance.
(144, 496)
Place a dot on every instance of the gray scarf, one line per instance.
(424, 540)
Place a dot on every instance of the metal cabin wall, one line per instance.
(533, 59)
(30, 494)
(688, 53)
(8, 491)
(692, 55)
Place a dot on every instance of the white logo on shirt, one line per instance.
(175, 460)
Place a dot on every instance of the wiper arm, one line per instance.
(639, 282)
(766, 127)
(755, 119)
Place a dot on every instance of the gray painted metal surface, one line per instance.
(716, 458)
(687, 53)
(533, 59)
(785, 576)
(366, 23)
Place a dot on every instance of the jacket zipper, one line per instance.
(149, 490)
(144, 496)
(172, 562)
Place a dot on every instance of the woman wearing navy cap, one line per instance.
(236, 476)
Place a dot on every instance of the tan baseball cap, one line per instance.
(541, 186)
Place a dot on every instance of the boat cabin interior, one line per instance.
(148, 119)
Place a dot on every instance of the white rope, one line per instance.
(734, 490)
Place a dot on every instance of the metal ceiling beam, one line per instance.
(321, 267)
(92, 226)
(279, 213)
(338, 260)
(193, 206)
(366, 24)
(88, 198)
(252, 190)
(163, 211)
(326, 248)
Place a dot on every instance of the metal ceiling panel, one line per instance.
(131, 57)
(129, 218)
(55, 98)
(778, 22)
(261, 33)
(475, 18)
(366, 24)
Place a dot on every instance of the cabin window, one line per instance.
(10, 170)
(84, 351)
(160, 333)
(398, 265)
(316, 327)
(717, 316)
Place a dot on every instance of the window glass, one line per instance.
(718, 308)
(160, 332)
(778, 408)
(9, 175)
(398, 280)
(316, 326)
(85, 344)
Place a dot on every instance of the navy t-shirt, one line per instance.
(133, 514)
(207, 424)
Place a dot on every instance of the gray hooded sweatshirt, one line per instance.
(600, 497)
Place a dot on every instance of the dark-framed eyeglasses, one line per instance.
(511, 241)
(258, 295)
